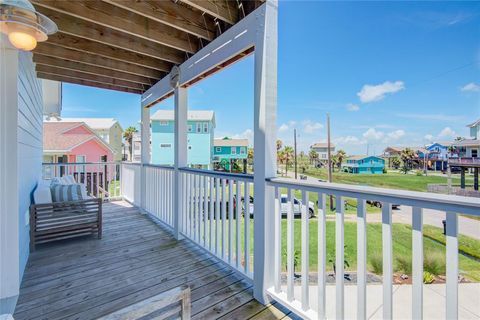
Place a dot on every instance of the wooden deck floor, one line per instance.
(87, 278)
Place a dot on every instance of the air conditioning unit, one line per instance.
(52, 98)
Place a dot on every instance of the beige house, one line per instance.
(322, 149)
(108, 129)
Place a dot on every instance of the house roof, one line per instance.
(474, 124)
(230, 142)
(322, 145)
(94, 123)
(193, 115)
(398, 149)
(57, 139)
(466, 143)
(360, 157)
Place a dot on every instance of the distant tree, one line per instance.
(303, 162)
(250, 155)
(340, 157)
(279, 144)
(334, 161)
(128, 136)
(407, 155)
(459, 138)
(396, 162)
(313, 156)
(286, 156)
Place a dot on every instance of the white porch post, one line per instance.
(265, 160)
(181, 111)
(145, 148)
(9, 211)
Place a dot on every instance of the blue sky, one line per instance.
(403, 73)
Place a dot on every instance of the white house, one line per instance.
(322, 149)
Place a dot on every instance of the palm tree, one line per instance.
(313, 156)
(396, 162)
(407, 155)
(279, 144)
(287, 156)
(340, 157)
(128, 136)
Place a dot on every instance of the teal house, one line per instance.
(230, 154)
(201, 126)
(364, 165)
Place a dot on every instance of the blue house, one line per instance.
(229, 152)
(364, 165)
(437, 155)
(200, 126)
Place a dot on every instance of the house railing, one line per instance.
(464, 161)
(216, 209)
(102, 179)
(300, 301)
(159, 193)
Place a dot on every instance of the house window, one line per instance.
(199, 127)
(189, 128)
(163, 123)
(233, 150)
(205, 127)
(474, 153)
(242, 150)
(165, 145)
(189, 147)
(218, 149)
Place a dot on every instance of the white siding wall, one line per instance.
(30, 144)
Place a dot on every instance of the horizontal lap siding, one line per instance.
(30, 144)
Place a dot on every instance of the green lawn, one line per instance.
(402, 246)
(387, 180)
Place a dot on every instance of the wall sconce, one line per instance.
(23, 25)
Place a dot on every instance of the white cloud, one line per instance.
(311, 127)
(429, 137)
(471, 87)
(353, 107)
(373, 134)
(283, 127)
(247, 134)
(347, 140)
(370, 93)
(432, 117)
(447, 132)
(395, 135)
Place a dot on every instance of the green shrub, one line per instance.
(434, 263)
(376, 261)
(419, 173)
(385, 170)
(404, 264)
(428, 277)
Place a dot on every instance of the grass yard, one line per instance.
(402, 247)
(387, 180)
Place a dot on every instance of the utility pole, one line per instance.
(295, 150)
(329, 157)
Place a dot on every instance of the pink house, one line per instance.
(73, 142)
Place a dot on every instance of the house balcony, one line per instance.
(139, 257)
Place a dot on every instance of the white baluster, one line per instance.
(205, 210)
(361, 259)
(238, 217)
(417, 263)
(387, 260)
(224, 220)
(322, 256)
(230, 220)
(290, 246)
(340, 257)
(217, 216)
(278, 241)
(247, 227)
(211, 215)
(452, 266)
(305, 250)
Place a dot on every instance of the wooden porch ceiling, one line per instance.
(128, 45)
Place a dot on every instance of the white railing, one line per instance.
(214, 217)
(300, 301)
(131, 182)
(159, 192)
(102, 179)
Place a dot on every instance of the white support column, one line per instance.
(181, 111)
(145, 131)
(265, 160)
(9, 211)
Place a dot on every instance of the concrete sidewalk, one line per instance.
(434, 301)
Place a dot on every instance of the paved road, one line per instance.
(466, 226)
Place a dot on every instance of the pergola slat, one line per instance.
(172, 14)
(123, 20)
(89, 77)
(94, 70)
(51, 50)
(224, 10)
(88, 83)
(98, 33)
(81, 44)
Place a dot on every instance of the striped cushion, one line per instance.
(66, 192)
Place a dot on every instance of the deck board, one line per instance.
(87, 278)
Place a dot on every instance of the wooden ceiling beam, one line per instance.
(172, 14)
(89, 77)
(48, 49)
(88, 83)
(85, 45)
(123, 20)
(225, 10)
(98, 33)
(95, 70)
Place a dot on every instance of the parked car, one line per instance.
(297, 205)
